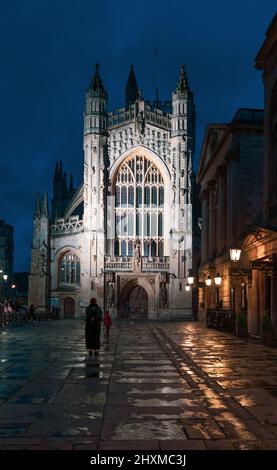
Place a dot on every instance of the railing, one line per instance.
(155, 264)
(120, 263)
(125, 263)
(16, 318)
(158, 117)
(72, 224)
(220, 319)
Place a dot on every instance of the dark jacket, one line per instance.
(93, 314)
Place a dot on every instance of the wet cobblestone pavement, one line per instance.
(153, 386)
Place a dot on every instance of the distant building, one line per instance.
(6, 250)
(260, 244)
(128, 235)
(230, 176)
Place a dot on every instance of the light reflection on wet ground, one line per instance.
(163, 382)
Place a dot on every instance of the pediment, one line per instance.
(215, 134)
(257, 235)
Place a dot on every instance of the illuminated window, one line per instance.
(69, 269)
(139, 207)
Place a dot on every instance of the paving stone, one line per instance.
(190, 444)
(129, 445)
(155, 386)
(148, 429)
(222, 444)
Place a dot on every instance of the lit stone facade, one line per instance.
(259, 252)
(129, 233)
(230, 176)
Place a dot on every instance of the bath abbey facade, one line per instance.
(129, 235)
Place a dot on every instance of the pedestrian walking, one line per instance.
(107, 322)
(93, 327)
(32, 312)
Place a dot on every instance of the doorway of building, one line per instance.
(138, 303)
(69, 307)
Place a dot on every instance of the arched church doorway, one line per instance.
(69, 307)
(138, 303)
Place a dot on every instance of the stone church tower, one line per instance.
(127, 234)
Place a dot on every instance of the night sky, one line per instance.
(48, 52)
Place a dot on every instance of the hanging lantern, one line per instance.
(235, 254)
(190, 277)
(208, 281)
(217, 280)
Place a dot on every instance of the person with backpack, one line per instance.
(107, 322)
(93, 327)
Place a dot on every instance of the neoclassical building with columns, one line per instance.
(230, 175)
(129, 234)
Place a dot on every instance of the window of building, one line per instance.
(69, 269)
(139, 205)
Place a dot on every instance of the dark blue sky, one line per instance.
(48, 51)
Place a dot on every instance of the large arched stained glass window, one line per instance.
(139, 207)
(69, 269)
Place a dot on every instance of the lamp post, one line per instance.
(235, 254)
(190, 278)
(13, 291)
(217, 281)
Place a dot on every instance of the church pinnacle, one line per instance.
(182, 84)
(96, 84)
(131, 90)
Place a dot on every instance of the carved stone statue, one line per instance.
(137, 254)
(163, 294)
(137, 251)
(110, 293)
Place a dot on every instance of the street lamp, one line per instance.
(13, 286)
(217, 280)
(208, 281)
(187, 287)
(235, 254)
(190, 277)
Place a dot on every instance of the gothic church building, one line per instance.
(129, 234)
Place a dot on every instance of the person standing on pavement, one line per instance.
(93, 327)
(107, 322)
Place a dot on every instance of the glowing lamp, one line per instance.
(208, 281)
(217, 280)
(235, 254)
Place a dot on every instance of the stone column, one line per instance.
(232, 212)
(212, 234)
(205, 227)
(221, 212)
(253, 304)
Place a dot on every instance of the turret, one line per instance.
(131, 89)
(39, 270)
(44, 211)
(183, 121)
(62, 194)
(37, 211)
(95, 115)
